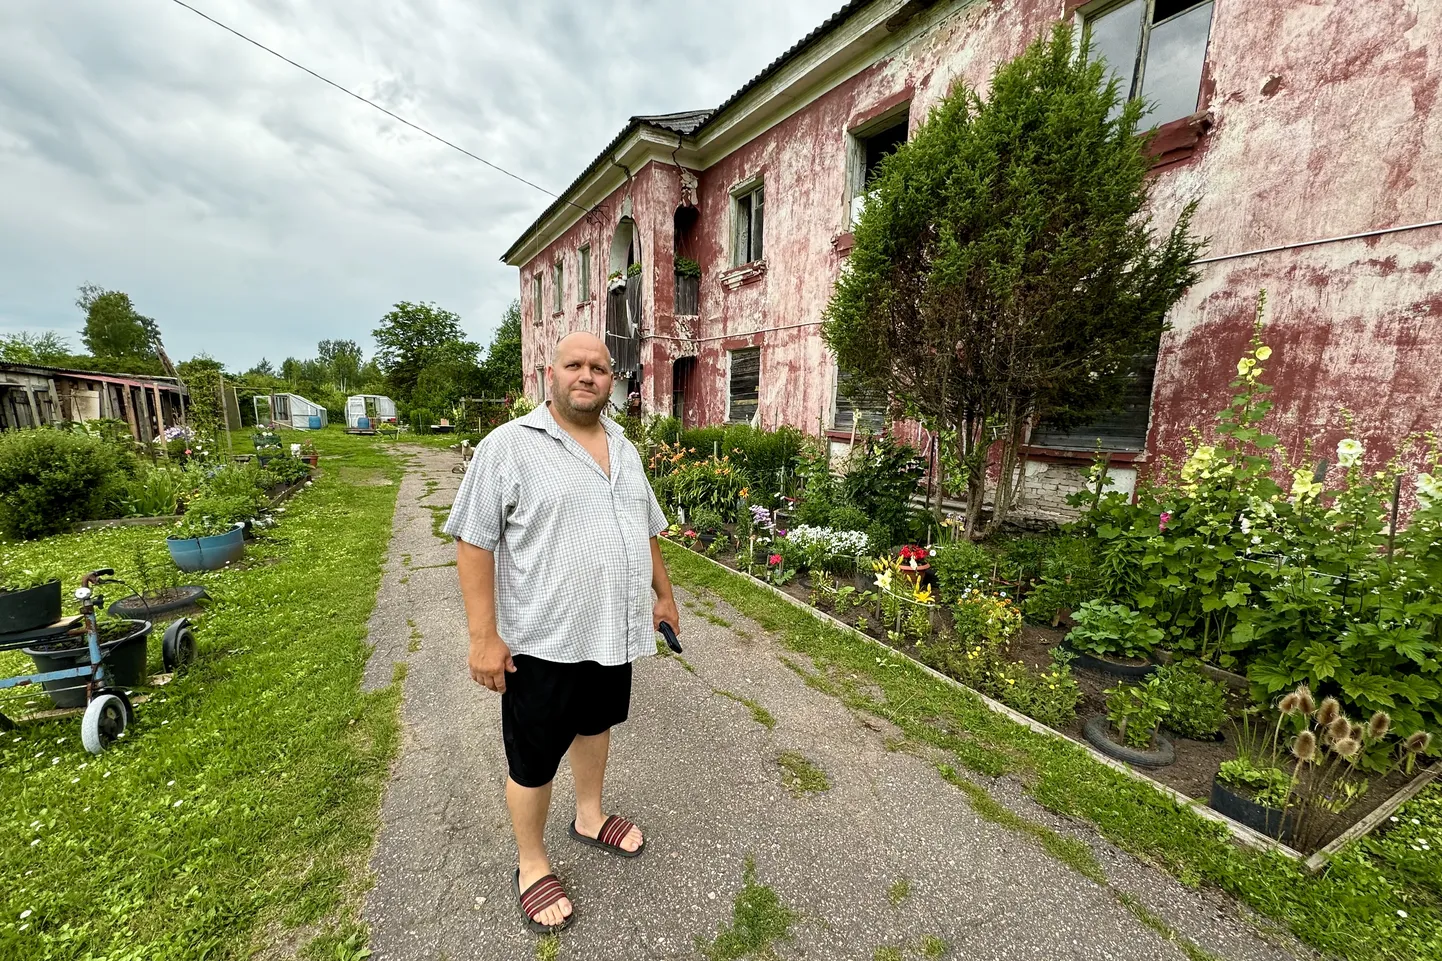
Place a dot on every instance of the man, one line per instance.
(555, 528)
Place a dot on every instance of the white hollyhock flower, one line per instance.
(1349, 452)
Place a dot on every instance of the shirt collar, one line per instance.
(542, 419)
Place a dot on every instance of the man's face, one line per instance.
(581, 377)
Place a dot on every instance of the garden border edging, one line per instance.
(164, 519)
(1240, 832)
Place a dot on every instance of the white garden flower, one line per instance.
(1349, 452)
(1429, 490)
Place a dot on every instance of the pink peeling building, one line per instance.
(1308, 130)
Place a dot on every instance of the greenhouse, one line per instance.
(289, 410)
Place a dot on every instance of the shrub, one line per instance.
(961, 567)
(1136, 713)
(1196, 704)
(848, 518)
(815, 511)
(880, 537)
(50, 479)
(1068, 577)
(704, 441)
(880, 479)
(1023, 559)
(1111, 630)
(706, 521)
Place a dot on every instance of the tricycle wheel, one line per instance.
(178, 647)
(106, 718)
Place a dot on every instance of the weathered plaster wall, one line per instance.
(1324, 123)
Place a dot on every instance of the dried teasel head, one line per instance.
(1290, 705)
(1347, 747)
(1419, 742)
(1329, 711)
(1357, 731)
(1305, 704)
(1338, 729)
(1304, 747)
(1380, 724)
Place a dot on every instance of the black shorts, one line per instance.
(547, 704)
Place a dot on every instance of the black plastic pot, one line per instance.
(1098, 734)
(124, 660)
(149, 606)
(1088, 662)
(29, 608)
(1273, 822)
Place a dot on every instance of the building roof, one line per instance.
(689, 123)
(162, 382)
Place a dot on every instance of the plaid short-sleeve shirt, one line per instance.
(572, 546)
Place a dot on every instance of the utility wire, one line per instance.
(372, 103)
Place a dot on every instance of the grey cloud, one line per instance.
(253, 211)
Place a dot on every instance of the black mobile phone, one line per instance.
(669, 633)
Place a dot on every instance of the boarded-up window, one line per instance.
(583, 275)
(1122, 430)
(750, 218)
(558, 283)
(536, 303)
(858, 407)
(745, 387)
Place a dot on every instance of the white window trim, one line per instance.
(739, 191)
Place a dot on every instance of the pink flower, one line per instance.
(773, 561)
(1164, 520)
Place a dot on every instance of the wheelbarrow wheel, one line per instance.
(178, 647)
(106, 718)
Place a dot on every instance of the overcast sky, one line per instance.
(252, 210)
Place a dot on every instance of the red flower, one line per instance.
(774, 560)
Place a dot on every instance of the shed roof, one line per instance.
(164, 383)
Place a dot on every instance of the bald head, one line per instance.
(580, 378)
(579, 339)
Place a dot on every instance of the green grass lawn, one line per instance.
(1380, 900)
(237, 814)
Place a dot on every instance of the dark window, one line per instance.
(745, 387)
(750, 215)
(858, 407)
(880, 144)
(1122, 430)
(1157, 49)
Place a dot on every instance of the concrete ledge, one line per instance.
(1242, 834)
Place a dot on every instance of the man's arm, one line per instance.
(490, 658)
(665, 609)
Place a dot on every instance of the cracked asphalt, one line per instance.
(699, 774)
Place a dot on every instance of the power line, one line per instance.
(372, 103)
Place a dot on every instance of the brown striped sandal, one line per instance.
(537, 898)
(613, 832)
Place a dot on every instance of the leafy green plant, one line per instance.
(1068, 578)
(1113, 631)
(686, 267)
(845, 517)
(714, 483)
(634, 270)
(50, 479)
(1196, 704)
(1136, 713)
(705, 520)
(961, 567)
(1051, 695)
(155, 492)
(880, 477)
(1266, 785)
(212, 514)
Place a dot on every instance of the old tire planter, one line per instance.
(137, 605)
(1273, 822)
(1099, 736)
(1088, 662)
(192, 554)
(29, 608)
(124, 660)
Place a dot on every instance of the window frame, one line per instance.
(856, 139)
(1092, 11)
(583, 274)
(558, 284)
(541, 380)
(538, 302)
(859, 425)
(748, 191)
(731, 381)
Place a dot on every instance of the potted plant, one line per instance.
(1113, 639)
(634, 270)
(708, 525)
(28, 600)
(686, 267)
(309, 454)
(212, 533)
(1131, 728)
(157, 594)
(915, 562)
(122, 646)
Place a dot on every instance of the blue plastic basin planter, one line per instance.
(207, 553)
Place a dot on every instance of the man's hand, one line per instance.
(490, 661)
(665, 610)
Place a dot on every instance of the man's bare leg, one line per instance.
(588, 766)
(529, 806)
